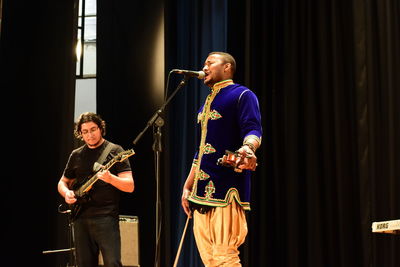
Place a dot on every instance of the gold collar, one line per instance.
(219, 85)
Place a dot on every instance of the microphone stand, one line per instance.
(157, 121)
(71, 237)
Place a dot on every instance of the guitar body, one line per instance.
(81, 198)
(81, 190)
(77, 206)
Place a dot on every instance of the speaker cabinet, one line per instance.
(129, 228)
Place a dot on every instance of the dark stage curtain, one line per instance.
(129, 90)
(38, 86)
(334, 125)
(326, 76)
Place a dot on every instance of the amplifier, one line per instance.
(129, 228)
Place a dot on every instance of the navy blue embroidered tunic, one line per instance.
(229, 115)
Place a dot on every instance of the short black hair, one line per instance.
(228, 58)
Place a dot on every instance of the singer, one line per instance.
(218, 196)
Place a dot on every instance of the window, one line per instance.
(85, 85)
(86, 39)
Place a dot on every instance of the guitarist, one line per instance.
(96, 226)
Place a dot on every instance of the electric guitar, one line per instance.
(81, 191)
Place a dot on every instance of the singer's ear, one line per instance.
(228, 68)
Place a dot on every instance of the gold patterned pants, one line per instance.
(219, 233)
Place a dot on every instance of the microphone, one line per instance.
(198, 74)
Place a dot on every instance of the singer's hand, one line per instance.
(185, 202)
(247, 160)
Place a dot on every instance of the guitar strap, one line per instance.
(100, 161)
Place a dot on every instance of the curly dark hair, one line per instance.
(89, 117)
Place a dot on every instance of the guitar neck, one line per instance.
(89, 183)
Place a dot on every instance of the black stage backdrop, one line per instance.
(326, 76)
(332, 147)
(130, 88)
(37, 83)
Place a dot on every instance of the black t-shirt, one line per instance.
(103, 197)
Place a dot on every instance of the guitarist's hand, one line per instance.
(70, 197)
(105, 175)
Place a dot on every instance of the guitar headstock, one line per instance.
(124, 155)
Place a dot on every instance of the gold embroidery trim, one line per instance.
(252, 136)
(203, 175)
(215, 115)
(209, 190)
(203, 119)
(208, 149)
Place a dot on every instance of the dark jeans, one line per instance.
(94, 234)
